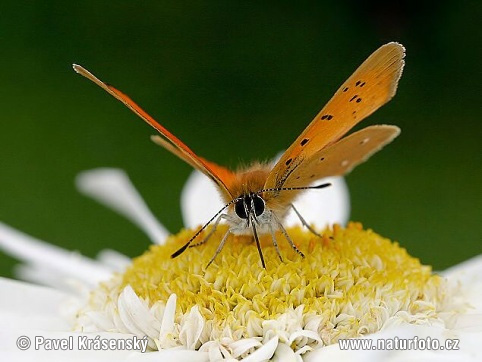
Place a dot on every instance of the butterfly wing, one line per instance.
(220, 175)
(372, 85)
(222, 172)
(339, 158)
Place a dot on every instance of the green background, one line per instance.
(237, 81)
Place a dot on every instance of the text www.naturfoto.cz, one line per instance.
(401, 344)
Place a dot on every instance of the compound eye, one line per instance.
(258, 205)
(240, 210)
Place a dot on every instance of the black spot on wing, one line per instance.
(355, 97)
(288, 161)
(360, 84)
(281, 179)
(327, 117)
(304, 142)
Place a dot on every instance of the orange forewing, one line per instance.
(373, 84)
(227, 176)
(220, 175)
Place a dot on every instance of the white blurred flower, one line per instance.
(74, 299)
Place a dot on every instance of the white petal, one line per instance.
(167, 335)
(177, 355)
(101, 320)
(470, 322)
(304, 333)
(136, 315)
(263, 353)
(200, 200)
(113, 188)
(303, 350)
(284, 353)
(26, 306)
(43, 275)
(39, 253)
(243, 345)
(192, 328)
(113, 260)
(167, 324)
(323, 207)
(465, 281)
(469, 271)
(214, 350)
(40, 275)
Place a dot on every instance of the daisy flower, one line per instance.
(353, 285)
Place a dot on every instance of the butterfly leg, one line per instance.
(275, 243)
(211, 232)
(303, 221)
(220, 247)
(285, 233)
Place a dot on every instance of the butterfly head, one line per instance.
(250, 204)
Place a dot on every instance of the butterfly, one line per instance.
(258, 197)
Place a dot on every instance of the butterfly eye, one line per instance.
(258, 205)
(248, 204)
(240, 210)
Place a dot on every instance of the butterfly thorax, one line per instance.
(249, 180)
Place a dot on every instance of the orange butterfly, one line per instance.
(258, 197)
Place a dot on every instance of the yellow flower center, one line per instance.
(351, 281)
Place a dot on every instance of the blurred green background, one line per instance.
(222, 75)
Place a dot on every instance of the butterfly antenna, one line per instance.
(185, 246)
(321, 186)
